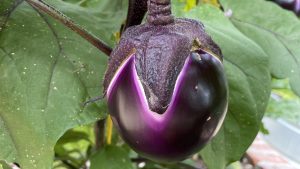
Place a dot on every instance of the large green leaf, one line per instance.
(277, 31)
(46, 73)
(246, 66)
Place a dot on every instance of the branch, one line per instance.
(99, 130)
(43, 6)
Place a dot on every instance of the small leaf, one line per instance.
(4, 165)
(235, 165)
(190, 4)
(73, 136)
(111, 157)
(212, 2)
(75, 145)
(263, 130)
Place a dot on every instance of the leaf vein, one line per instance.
(53, 66)
(8, 13)
(60, 51)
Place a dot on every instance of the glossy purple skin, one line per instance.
(194, 115)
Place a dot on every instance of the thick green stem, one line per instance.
(43, 6)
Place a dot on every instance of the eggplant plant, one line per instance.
(163, 82)
(164, 74)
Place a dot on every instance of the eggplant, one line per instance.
(165, 85)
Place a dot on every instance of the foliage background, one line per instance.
(48, 71)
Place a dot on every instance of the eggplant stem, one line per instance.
(159, 12)
(43, 6)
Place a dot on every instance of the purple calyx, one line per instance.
(153, 118)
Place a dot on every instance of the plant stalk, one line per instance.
(99, 130)
(43, 6)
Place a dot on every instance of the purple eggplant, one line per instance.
(165, 85)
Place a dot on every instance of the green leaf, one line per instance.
(285, 108)
(75, 146)
(46, 73)
(235, 165)
(246, 66)
(73, 136)
(111, 157)
(4, 165)
(179, 165)
(263, 130)
(275, 30)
